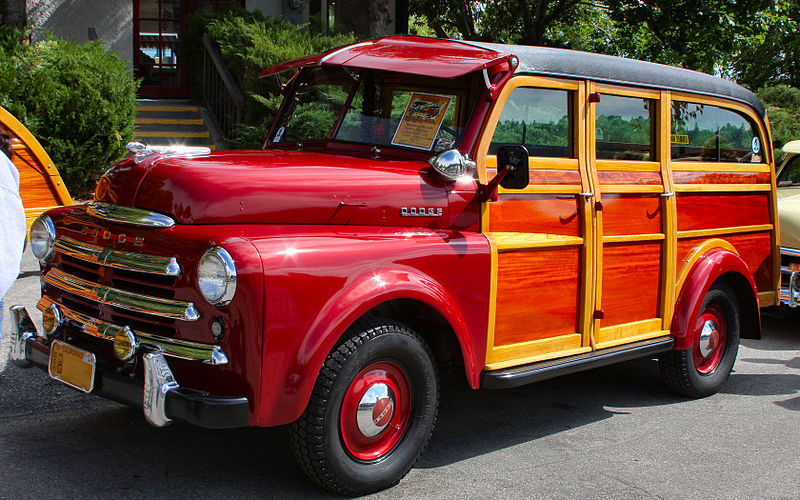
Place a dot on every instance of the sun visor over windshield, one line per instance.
(404, 54)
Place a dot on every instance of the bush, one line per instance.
(249, 43)
(783, 108)
(79, 101)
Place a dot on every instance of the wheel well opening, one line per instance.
(430, 325)
(748, 304)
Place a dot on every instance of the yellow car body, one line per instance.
(788, 180)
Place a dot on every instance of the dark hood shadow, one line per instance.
(473, 423)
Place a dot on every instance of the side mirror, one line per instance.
(451, 164)
(515, 160)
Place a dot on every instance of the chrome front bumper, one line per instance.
(790, 279)
(160, 396)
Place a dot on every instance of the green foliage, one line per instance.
(783, 108)
(753, 41)
(79, 101)
(250, 42)
(772, 56)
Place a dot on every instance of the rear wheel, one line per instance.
(372, 410)
(702, 369)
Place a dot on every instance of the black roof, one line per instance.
(610, 69)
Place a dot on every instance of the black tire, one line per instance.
(332, 450)
(701, 371)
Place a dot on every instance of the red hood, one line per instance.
(279, 187)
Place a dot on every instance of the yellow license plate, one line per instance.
(72, 366)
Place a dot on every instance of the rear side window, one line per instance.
(701, 132)
(624, 128)
(537, 118)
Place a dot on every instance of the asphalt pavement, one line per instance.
(614, 432)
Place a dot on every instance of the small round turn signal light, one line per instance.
(52, 319)
(125, 344)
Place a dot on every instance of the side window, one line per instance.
(701, 132)
(790, 174)
(624, 128)
(537, 118)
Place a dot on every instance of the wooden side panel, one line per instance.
(754, 248)
(548, 176)
(631, 214)
(537, 295)
(629, 178)
(41, 187)
(631, 282)
(721, 177)
(34, 185)
(554, 214)
(710, 211)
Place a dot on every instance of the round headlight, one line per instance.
(216, 276)
(43, 236)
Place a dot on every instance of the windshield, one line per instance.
(375, 108)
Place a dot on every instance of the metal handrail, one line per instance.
(221, 94)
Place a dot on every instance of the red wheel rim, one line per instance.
(710, 339)
(380, 395)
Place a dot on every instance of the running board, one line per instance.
(525, 374)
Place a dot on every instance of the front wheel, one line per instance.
(702, 369)
(372, 410)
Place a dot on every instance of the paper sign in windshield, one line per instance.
(421, 121)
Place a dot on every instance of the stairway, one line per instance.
(171, 122)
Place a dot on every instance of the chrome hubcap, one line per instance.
(375, 410)
(709, 338)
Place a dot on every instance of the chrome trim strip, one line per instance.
(790, 251)
(128, 215)
(129, 261)
(182, 349)
(130, 301)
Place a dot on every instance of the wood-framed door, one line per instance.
(541, 236)
(634, 214)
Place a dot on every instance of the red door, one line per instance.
(157, 26)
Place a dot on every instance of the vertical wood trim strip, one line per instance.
(589, 271)
(492, 320)
(773, 216)
(596, 216)
(670, 224)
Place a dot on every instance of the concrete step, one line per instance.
(171, 122)
(163, 126)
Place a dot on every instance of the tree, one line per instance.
(783, 108)
(773, 56)
(697, 34)
(13, 13)
(520, 21)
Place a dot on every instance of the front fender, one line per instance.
(366, 292)
(319, 280)
(708, 268)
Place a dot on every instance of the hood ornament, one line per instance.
(141, 151)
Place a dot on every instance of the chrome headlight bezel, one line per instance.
(216, 276)
(42, 237)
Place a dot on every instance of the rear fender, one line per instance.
(709, 266)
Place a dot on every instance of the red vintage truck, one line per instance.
(515, 212)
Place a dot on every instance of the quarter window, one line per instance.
(701, 132)
(537, 118)
(624, 128)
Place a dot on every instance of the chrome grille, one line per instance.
(104, 290)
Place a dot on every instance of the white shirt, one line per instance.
(12, 224)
